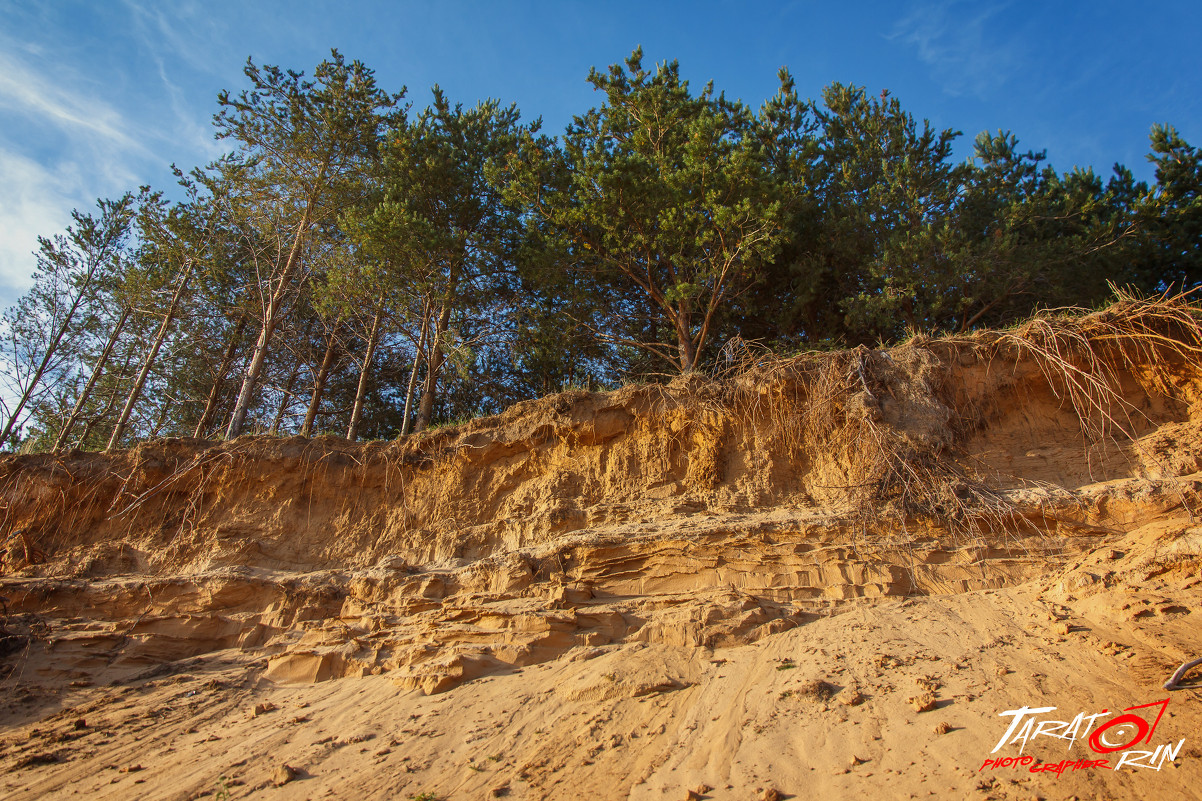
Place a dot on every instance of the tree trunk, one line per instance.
(112, 237)
(417, 363)
(135, 392)
(319, 386)
(227, 359)
(425, 408)
(684, 339)
(162, 421)
(907, 310)
(97, 369)
(51, 348)
(255, 366)
(279, 415)
(111, 402)
(373, 338)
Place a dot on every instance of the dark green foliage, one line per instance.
(1169, 220)
(657, 190)
(349, 269)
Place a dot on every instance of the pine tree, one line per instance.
(42, 330)
(302, 146)
(666, 191)
(440, 232)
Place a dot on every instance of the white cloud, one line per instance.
(197, 48)
(37, 201)
(190, 127)
(28, 93)
(199, 51)
(60, 149)
(953, 38)
(71, 129)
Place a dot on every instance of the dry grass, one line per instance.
(881, 429)
(877, 431)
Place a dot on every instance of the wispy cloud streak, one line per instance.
(28, 92)
(956, 40)
(60, 148)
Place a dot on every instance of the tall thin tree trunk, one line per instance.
(215, 393)
(279, 415)
(51, 348)
(255, 366)
(162, 421)
(425, 408)
(97, 369)
(319, 386)
(684, 339)
(135, 392)
(373, 338)
(425, 404)
(417, 363)
(113, 397)
(85, 287)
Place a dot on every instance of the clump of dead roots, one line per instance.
(881, 428)
(877, 431)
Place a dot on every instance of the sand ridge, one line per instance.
(677, 591)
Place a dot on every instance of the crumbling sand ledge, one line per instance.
(632, 594)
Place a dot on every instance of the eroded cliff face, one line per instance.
(632, 593)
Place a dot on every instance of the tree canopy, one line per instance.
(354, 266)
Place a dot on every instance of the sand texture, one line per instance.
(826, 577)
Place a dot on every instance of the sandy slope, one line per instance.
(640, 594)
(654, 721)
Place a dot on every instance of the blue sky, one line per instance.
(98, 97)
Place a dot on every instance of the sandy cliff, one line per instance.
(824, 575)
